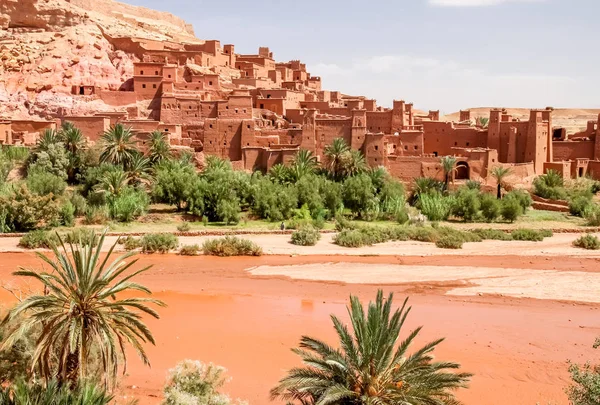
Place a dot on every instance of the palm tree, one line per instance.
(499, 173)
(216, 163)
(113, 182)
(448, 166)
(305, 163)
(49, 137)
(483, 122)
(138, 170)
(334, 154)
(74, 142)
(118, 145)
(353, 163)
(72, 137)
(82, 310)
(370, 367)
(280, 173)
(159, 147)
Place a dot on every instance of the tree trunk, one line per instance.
(499, 193)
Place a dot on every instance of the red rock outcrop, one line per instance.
(48, 46)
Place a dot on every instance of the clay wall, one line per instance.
(379, 121)
(562, 168)
(571, 150)
(222, 137)
(117, 98)
(257, 83)
(266, 62)
(328, 129)
(370, 105)
(594, 169)
(314, 83)
(91, 127)
(277, 105)
(441, 137)
(147, 87)
(147, 69)
(408, 143)
(236, 107)
(300, 75)
(32, 125)
(5, 133)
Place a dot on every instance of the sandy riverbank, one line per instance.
(218, 311)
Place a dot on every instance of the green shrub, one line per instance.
(130, 242)
(44, 183)
(79, 203)
(67, 214)
(450, 241)
(466, 204)
(588, 241)
(184, 227)
(193, 383)
(189, 250)
(306, 236)
(22, 211)
(231, 246)
(38, 239)
(585, 384)
(525, 234)
(272, 201)
(592, 215)
(511, 209)
(128, 205)
(359, 196)
(351, 238)
(52, 393)
(473, 185)
(96, 215)
(546, 233)
(579, 204)
(435, 206)
(490, 207)
(522, 197)
(424, 234)
(82, 236)
(54, 160)
(492, 234)
(158, 242)
(550, 185)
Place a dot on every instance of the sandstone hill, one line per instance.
(46, 46)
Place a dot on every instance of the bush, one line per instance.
(490, 207)
(231, 246)
(473, 185)
(96, 215)
(435, 206)
(130, 242)
(588, 241)
(54, 160)
(525, 234)
(82, 236)
(359, 195)
(306, 236)
(194, 382)
(579, 204)
(492, 234)
(585, 386)
(273, 201)
(128, 205)
(353, 238)
(424, 234)
(511, 209)
(189, 250)
(522, 197)
(450, 241)
(22, 211)
(52, 393)
(67, 214)
(592, 215)
(158, 242)
(79, 204)
(44, 183)
(38, 239)
(550, 185)
(466, 204)
(184, 227)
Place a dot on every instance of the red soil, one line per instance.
(517, 348)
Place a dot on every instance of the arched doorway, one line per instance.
(462, 171)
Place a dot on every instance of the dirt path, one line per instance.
(219, 312)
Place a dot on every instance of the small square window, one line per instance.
(210, 83)
(154, 86)
(143, 86)
(156, 72)
(467, 143)
(141, 72)
(416, 147)
(169, 76)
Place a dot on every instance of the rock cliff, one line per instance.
(48, 46)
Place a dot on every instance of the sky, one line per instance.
(439, 54)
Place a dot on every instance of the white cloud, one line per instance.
(475, 3)
(448, 85)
